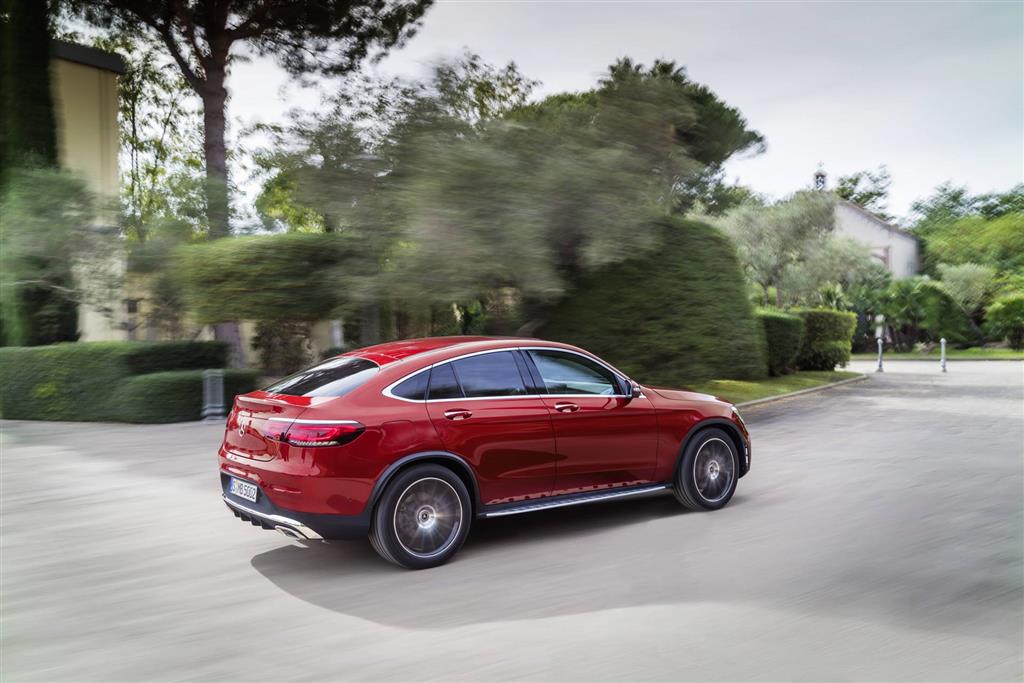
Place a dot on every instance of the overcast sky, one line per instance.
(934, 90)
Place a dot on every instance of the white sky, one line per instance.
(935, 90)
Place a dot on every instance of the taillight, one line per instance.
(306, 434)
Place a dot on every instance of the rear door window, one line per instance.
(335, 377)
(443, 383)
(490, 374)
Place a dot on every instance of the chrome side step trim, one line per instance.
(534, 506)
(276, 521)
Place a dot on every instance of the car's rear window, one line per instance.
(335, 377)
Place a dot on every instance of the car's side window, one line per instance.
(490, 374)
(567, 373)
(443, 383)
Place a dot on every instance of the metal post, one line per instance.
(879, 368)
(213, 395)
(942, 353)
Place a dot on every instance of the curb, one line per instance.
(936, 360)
(801, 392)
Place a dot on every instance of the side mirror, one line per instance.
(633, 389)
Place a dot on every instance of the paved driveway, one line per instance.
(879, 536)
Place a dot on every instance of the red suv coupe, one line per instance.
(408, 441)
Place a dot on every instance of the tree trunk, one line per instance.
(215, 97)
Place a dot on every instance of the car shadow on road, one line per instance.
(495, 577)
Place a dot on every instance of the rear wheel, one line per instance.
(422, 517)
(706, 478)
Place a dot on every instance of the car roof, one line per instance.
(390, 352)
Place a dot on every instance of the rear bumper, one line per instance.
(299, 525)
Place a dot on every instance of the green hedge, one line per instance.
(679, 316)
(172, 396)
(783, 335)
(1004, 319)
(827, 340)
(75, 381)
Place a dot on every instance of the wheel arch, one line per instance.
(456, 464)
(715, 422)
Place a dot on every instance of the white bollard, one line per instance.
(879, 368)
(942, 353)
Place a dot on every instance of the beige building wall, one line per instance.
(85, 103)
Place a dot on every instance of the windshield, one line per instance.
(335, 377)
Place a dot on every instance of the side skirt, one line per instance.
(565, 501)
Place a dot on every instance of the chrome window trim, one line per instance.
(387, 391)
(313, 422)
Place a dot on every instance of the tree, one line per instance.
(970, 284)
(327, 36)
(28, 129)
(868, 189)
(1005, 319)
(772, 239)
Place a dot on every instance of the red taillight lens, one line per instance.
(322, 434)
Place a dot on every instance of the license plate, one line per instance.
(244, 489)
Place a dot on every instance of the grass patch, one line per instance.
(952, 354)
(739, 391)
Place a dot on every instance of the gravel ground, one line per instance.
(878, 536)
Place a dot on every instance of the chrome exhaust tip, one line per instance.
(290, 533)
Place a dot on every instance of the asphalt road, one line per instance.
(879, 536)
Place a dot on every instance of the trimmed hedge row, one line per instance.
(783, 335)
(175, 396)
(678, 316)
(76, 381)
(827, 340)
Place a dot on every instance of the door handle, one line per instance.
(566, 407)
(457, 414)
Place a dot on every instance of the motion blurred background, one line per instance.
(739, 198)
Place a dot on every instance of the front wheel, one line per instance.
(707, 473)
(422, 518)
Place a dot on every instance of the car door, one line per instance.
(603, 438)
(484, 411)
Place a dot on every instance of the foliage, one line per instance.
(46, 235)
(868, 189)
(290, 277)
(1004, 319)
(76, 381)
(160, 123)
(970, 284)
(827, 339)
(668, 319)
(180, 395)
(919, 309)
(830, 268)
(332, 36)
(783, 336)
(772, 239)
(995, 242)
(28, 134)
(283, 346)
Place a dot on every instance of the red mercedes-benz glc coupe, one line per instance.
(409, 441)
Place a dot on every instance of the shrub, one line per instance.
(827, 339)
(175, 396)
(783, 334)
(75, 381)
(677, 317)
(265, 277)
(1004, 319)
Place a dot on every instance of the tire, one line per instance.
(422, 518)
(707, 472)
